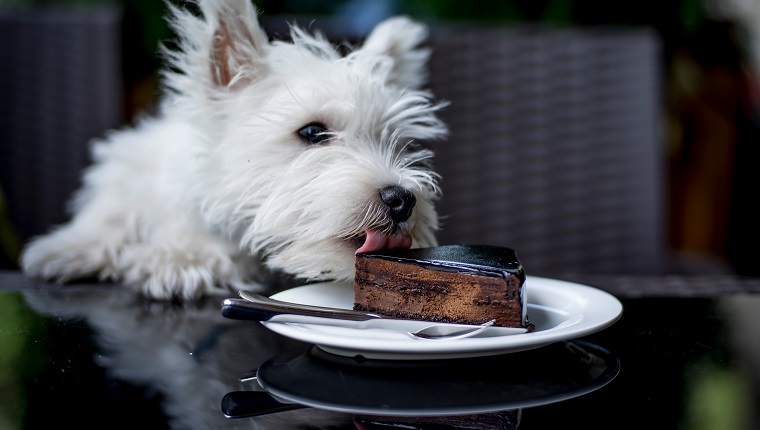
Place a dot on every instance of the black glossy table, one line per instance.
(685, 354)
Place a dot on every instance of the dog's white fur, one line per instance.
(219, 184)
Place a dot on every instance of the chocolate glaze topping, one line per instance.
(485, 260)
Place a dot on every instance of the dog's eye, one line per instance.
(314, 133)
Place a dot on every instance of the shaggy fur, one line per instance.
(221, 186)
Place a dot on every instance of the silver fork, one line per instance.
(261, 308)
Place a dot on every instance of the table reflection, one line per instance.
(439, 387)
(185, 355)
(191, 363)
(94, 356)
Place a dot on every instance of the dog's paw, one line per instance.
(63, 256)
(167, 272)
(159, 272)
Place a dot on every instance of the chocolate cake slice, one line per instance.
(468, 284)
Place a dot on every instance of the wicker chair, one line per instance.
(60, 86)
(555, 145)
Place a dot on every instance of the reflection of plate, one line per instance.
(557, 372)
(560, 311)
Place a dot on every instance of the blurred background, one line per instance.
(592, 136)
(588, 135)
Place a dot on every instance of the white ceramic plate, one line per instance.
(560, 311)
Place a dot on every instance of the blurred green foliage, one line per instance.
(22, 357)
(717, 398)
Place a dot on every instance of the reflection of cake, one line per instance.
(504, 420)
(458, 283)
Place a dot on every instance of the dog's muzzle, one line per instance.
(399, 203)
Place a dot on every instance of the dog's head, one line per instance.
(306, 156)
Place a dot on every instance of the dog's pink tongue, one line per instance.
(375, 241)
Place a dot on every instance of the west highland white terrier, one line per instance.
(266, 157)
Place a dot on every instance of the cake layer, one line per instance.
(461, 283)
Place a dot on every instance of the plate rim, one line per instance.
(602, 309)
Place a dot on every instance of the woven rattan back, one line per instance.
(555, 145)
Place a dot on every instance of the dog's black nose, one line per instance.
(400, 202)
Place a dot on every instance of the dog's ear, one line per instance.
(399, 38)
(239, 45)
(223, 46)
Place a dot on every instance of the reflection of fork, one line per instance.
(242, 404)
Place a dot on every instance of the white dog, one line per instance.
(266, 158)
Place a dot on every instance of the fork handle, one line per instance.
(260, 308)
